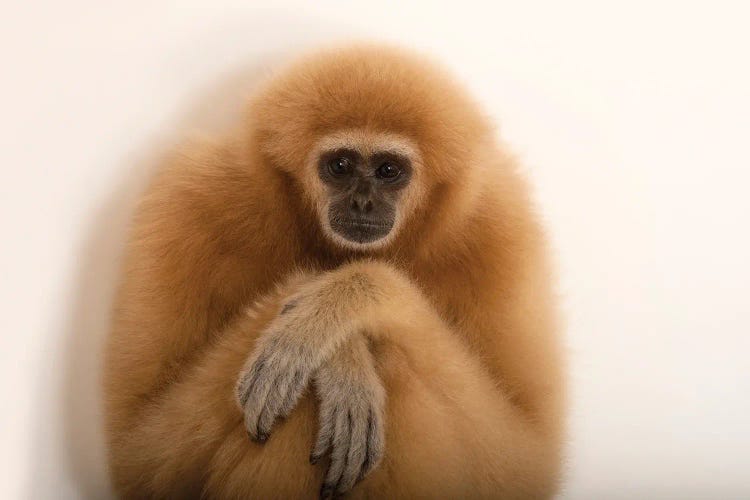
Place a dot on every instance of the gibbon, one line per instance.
(350, 295)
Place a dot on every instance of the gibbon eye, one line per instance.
(339, 166)
(388, 171)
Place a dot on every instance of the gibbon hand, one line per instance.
(313, 338)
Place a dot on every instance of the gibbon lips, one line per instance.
(361, 231)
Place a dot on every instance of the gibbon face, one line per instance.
(367, 180)
(376, 142)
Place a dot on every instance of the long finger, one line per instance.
(375, 442)
(357, 451)
(249, 378)
(340, 449)
(297, 386)
(256, 402)
(326, 426)
(270, 410)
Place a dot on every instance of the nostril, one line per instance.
(360, 204)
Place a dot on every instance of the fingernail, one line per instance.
(326, 491)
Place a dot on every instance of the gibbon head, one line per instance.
(365, 178)
(378, 141)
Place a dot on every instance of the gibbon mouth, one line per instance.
(360, 231)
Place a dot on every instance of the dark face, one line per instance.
(363, 191)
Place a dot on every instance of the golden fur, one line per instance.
(462, 326)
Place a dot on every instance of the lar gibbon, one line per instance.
(349, 295)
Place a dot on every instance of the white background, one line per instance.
(633, 121)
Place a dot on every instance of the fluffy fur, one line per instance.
(445, 335)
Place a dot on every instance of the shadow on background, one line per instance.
(215, 108)
(96, 281)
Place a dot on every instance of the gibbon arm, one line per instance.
(449, 430)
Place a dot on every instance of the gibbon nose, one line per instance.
(361, 201)
(361, 204)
